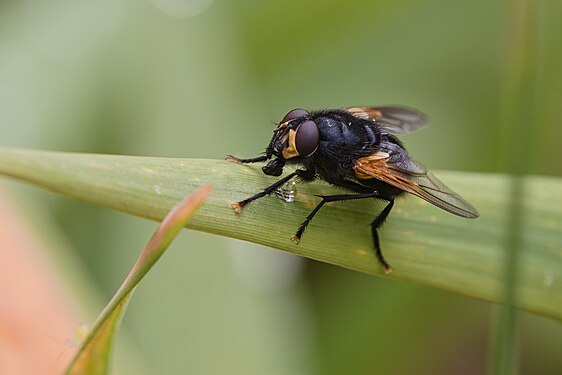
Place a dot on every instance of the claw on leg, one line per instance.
(233, 159)
(237, 207)
(296, 238)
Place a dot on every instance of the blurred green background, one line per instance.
(206, 78)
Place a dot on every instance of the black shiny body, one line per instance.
(354, 148)
(344, 139)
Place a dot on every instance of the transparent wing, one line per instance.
(415, 179)
(393, 119)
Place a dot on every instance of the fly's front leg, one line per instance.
(270, 189)
(247, 161)
(266, 156)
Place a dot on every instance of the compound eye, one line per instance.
(295, 113)
(307, 137)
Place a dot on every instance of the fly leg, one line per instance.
(304, 174)
(266, 156)
(375, 225)
(246, 161)
(325, 199)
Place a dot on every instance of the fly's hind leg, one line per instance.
(375, 225)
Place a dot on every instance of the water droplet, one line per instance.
(287, 191)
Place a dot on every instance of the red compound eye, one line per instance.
(307, 137)
(295, 113)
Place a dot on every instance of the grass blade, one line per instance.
(424, 245)
(93, 355)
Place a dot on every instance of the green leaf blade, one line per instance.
(424, 244)
(92, 357)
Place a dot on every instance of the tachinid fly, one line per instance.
(354, 148)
